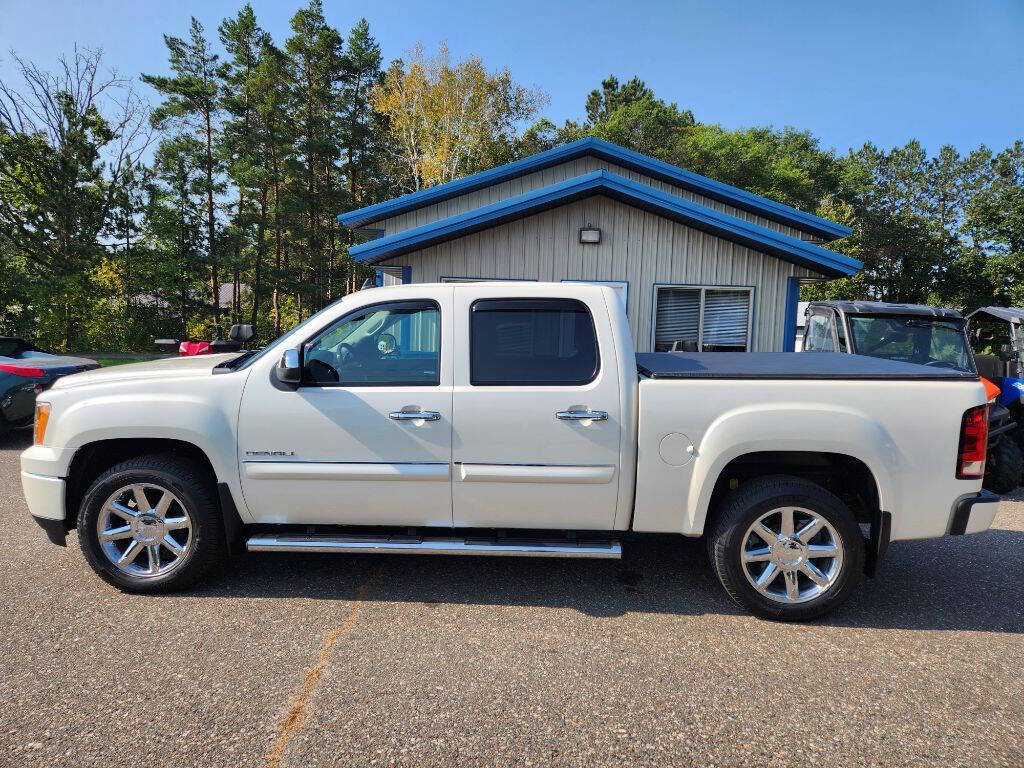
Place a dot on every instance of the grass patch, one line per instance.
(108, 361)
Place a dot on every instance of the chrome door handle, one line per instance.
(582, 415)
(415, 415)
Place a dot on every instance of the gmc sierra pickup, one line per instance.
(508, 419)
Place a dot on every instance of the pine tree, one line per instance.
(314, 50)
(192, 102)
(244, 42)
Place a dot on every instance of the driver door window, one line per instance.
(384, 345)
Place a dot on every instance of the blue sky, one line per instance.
(941, 71)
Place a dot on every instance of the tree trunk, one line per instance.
(257, 267)
(211, 222)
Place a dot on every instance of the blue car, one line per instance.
(25, 371)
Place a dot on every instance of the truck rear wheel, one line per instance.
(151, 524)
(786, 549)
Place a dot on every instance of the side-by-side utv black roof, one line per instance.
(886, 308)
(1009, 314)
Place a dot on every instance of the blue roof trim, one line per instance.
(612, 185)
(658, 169)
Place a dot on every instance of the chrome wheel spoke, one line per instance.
(176, 523)
(122, 511)
(116, 534)
(810, 530)
(787, 522)
(757, 555)
(141, 502)
(160, 510)
(154, 558)
(767, 576)
(822, 550)
(792, 584)
(814, 574)
(130, 553)
(172, 545)
(766, 533)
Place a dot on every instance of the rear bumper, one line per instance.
(974, 513)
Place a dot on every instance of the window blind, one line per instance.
(678, 317)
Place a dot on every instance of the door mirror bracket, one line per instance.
(289, 369)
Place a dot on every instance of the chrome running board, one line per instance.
(428, 545)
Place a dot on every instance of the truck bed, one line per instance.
(787, 365)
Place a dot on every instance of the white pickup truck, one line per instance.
(508, 419)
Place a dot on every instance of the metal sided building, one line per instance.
(698, 264)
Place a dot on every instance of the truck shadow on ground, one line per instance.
(966, 583)
(973, 583)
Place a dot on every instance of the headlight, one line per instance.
(42, 417)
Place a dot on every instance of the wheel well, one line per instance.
(93, 459)
(847, 477)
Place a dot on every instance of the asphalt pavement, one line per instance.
(354, 660)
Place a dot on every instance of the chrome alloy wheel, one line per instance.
(791, 555)
(144, 518)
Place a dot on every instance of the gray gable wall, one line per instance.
(636, 246)
(553, 175)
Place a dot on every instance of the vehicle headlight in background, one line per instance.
(39, 427)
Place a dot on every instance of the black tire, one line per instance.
(1005, 466)
(742, 508)
(194, 489)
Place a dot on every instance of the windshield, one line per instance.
(248, 358)
(925, 341)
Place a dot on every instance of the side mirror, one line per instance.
(241, 333)
(288, 371)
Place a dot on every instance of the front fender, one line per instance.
(201, 413)
(791, 427)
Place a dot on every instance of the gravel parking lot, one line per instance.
(371, 660)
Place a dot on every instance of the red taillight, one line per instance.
(22, 370)
(973, 442)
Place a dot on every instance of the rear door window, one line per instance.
(532, 341)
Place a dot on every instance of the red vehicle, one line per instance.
(237, 336)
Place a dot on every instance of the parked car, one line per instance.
(25, 371)
(509, 419)
(917, 333)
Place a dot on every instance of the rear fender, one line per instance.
(791, 427)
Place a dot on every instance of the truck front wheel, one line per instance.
(786, 549)
(151, 524)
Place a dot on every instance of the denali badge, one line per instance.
(270, 453)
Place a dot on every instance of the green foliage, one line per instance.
(261, 146)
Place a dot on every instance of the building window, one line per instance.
(547, 342)
(702, 319)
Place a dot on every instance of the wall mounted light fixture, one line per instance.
(590, 234)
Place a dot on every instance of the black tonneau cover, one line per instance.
(786, 365)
